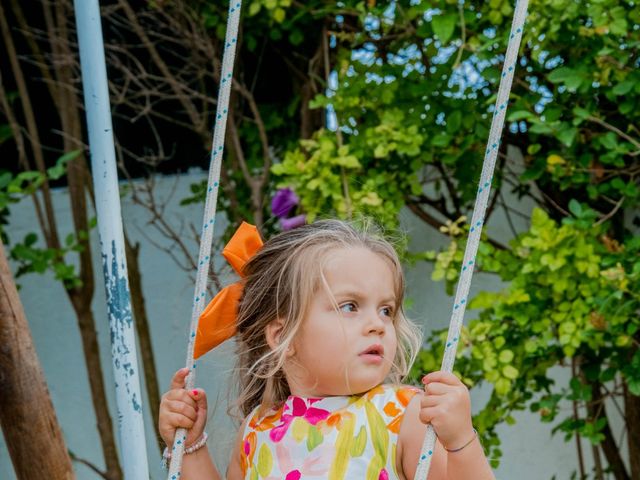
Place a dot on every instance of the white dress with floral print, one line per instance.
(334, 438)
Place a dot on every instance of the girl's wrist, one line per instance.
(460, 445)
(453, 442)
(188, 449)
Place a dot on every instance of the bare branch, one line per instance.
(49, 227)
(617, 131)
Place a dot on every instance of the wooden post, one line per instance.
(27, 417)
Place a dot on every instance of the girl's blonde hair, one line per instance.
(279, 284)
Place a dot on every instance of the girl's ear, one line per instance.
(273, 333)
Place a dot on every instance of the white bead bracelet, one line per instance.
(197, 445)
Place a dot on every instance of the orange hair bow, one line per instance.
(217, 322)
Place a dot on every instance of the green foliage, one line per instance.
(410, 96)
(413, 94)
(330, 178)
(572, 296)
(12, 189)
(28, 255)
(411, 91)
(32, 258)
(412, 105)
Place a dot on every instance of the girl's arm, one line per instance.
(199, 466)
(180, 408)
(410, 441)
(446, 405)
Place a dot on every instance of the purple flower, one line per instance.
(293, 222)
(283, 202)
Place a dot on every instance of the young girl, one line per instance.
(323, 344)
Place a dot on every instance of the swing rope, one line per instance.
(471, 249)
(477, 219)
(206, 239)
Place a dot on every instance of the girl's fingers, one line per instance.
(437, 388)
(200, 398)
(173, 421)
(182, 408)
(428, 414)
(428, 401)
(441, 377)
(179, 395)
(178, 379)
(180, 421)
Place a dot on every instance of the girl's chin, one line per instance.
(363, 385)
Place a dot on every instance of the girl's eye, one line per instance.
(348, 307)
(387, 311)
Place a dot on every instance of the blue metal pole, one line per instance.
(105, 179)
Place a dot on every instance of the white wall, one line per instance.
(530, 452)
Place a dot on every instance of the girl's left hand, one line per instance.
(447, 407)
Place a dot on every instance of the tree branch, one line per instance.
(49, 228)
(611, 451)
(435, 223)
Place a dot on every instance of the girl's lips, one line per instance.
(372, 358)
(373, 354)
(375, 349)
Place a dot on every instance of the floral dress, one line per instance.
(348, 437)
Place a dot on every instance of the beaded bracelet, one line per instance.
(454, 450)
(197, 445)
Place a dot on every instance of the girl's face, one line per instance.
(351, 349)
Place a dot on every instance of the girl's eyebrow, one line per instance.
(359, 295)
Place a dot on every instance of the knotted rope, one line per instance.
(471, 249)
(206, 239)
(477, 219)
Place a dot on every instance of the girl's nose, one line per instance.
(375, 324)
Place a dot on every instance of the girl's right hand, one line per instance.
(180, 408)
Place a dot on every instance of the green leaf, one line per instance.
(571, 78)
(519, 115)
(626, 106)
(575, 207)
(444, 25)
(506, 356)
(60, 168)
(254, 8)
(510, 372)
(623, 88)
(502, 386)
(542, 128)
(5, 133)
(441, 140)
(619, 27)
(30, 239)
(567, 136)
(279, 15)
(454, 120)
(296, 37)
(495, 17)
(533, 148)
(581, 113)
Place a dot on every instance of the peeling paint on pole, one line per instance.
(120, 320)
(133, 449)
